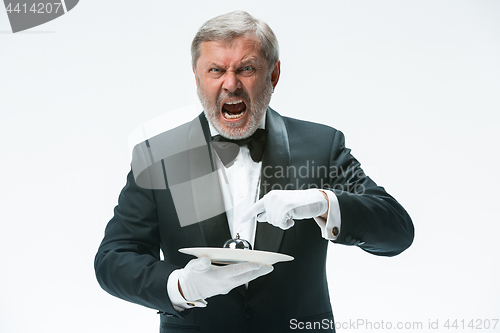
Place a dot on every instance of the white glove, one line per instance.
(280, 207)
(200, 279)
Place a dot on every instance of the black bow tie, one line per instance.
(228, 149)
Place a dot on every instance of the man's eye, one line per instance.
(247, 68)
(215, 70)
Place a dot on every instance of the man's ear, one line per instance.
(195, 76)
(275, 75)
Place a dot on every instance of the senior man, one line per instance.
(236, 66)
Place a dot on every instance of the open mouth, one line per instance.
(234, 110)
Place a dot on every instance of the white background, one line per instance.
(414, 85)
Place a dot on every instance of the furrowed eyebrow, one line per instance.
(243, 63)
(248, 61)
(252, 61)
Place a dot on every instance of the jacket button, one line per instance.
(248, 313)
(348, 238)
(335, 231)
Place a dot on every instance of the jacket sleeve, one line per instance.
(127, 264)
(370, 217)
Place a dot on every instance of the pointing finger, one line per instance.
(256, 209)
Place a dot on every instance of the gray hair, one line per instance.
(229, 26)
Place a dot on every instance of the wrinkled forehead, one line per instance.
(234, 50)
(248, 37)
(243, 45)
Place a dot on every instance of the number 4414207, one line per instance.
(478, 324)
(36, 8)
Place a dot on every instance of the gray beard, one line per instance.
(256, 111)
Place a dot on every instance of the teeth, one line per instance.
(234, 102)
(233, 116)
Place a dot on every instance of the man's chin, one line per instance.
(235, 133)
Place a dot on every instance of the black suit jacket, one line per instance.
(298, 155)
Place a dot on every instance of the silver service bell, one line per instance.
(237, 243)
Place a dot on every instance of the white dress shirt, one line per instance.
(240, 185)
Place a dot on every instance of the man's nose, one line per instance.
(231, 82)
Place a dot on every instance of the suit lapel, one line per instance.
(276, 157)
(215, 230)
(208, 197)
